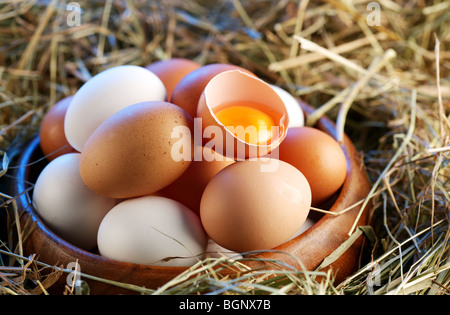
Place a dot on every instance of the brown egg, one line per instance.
(242, 116)
(171, 71)
(187, 92)
(319, 157)
(255, 204)
(52, 138)
(138, 150)
(189, 187)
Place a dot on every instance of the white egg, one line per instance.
(295, 112)
(106, 93)
(152, 230)
(66, 206)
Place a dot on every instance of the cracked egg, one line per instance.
(242, 116)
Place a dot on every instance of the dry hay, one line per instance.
(387, 86)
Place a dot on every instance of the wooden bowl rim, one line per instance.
(71, 252)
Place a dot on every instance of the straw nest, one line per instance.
(380, 69)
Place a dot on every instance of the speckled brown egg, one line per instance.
(138, 150)
(53, 140)
(187, 92)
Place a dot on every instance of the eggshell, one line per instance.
(138, 150)
(171, 71)
(295, 112)
(234, 86)
(319, 157)
(53, 141)
(189, 187)
(186, 93)
(66, 205)
(105, 94)
(255, 204)
(152, 230)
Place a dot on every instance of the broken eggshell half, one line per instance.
(232, 88)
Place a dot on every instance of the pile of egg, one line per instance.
(135, 178)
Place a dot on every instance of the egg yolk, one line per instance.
(247, 122)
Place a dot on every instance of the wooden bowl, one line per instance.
(311, 247)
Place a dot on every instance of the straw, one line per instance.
(385, 85)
